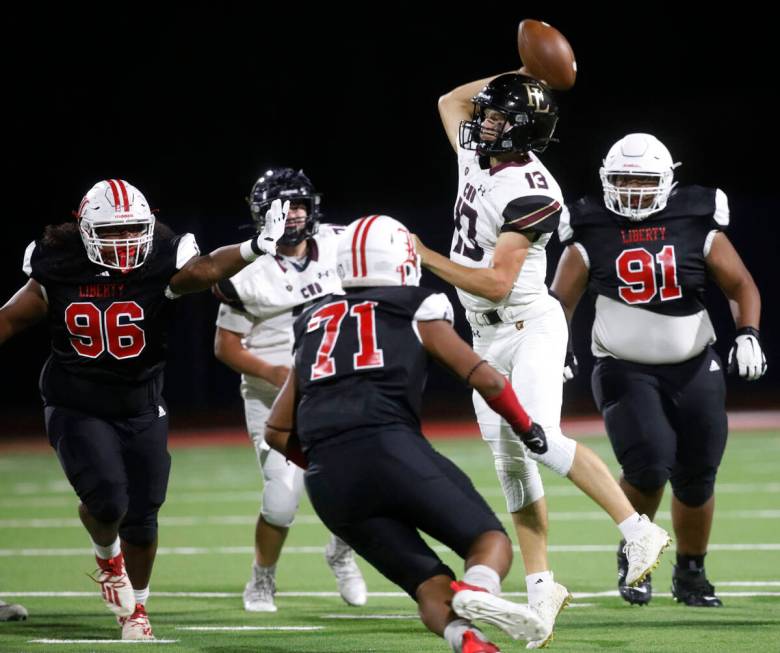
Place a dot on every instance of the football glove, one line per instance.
(273, 229)
(534, 439)
(746, 357)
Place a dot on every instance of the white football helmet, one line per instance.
(116, 225)
(645, 157)
(377, 250)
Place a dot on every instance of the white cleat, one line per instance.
(136, 626)
(341, 560)
(644, 552)
(260, 589)
(12, 612)
(115, 586)
(548, 608)
(516, 620)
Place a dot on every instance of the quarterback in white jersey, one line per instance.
(255, 337)
(508, 204)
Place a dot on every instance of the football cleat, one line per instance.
(692, 588)
(137, 625)
(644, 552)
(260, 589)
(341, 560)
(473, 644)
(477, 604)
(639, 594)
(12, 612)
(115, 585)
(548, 608)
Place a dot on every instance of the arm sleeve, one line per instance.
(537, 213)
(435, 307)
(234, 320)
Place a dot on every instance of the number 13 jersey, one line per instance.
(520, 196)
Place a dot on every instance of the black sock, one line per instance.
(690, 563)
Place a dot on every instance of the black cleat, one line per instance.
(691, 587)
(641, 593)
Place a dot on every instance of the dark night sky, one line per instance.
(191, 104)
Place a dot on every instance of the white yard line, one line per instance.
(250, 520)
(319, 550)
(208, 629)
(102, 641)
(386, 595)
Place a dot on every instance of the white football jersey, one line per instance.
(518, 194)
(270, 288)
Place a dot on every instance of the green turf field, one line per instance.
(205, 556)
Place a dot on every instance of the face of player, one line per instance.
(116, 248)
(631, 187)
(296, 217)
(493, 123)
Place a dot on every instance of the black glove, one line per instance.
(535, 439)
(746, 357)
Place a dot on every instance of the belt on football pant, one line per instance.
(488, 318)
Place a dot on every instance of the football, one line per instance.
(546, 54)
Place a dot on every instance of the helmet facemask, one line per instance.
(636, 201)
(108, 245)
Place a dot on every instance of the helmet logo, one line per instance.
(536, 98)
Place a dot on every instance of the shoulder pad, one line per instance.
(686, 201)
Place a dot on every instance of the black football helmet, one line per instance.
(286, 184)
(531, 115)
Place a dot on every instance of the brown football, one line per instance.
(546, 54)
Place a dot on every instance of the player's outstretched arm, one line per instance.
(456, 106)
(492, 283)
(26, 308)
(202, 272)
(229, 349)
(445, 345)
(280, 425)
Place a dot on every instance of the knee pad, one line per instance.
(107, 502)
(521, 484)
(647, 479)
(694, 487)
(560, 452)
(140, 532)
(282, 492)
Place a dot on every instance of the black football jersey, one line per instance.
(359, 363)
(656, 264)
(108, 326)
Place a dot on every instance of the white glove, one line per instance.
(273, 229)
(570, 367)
(746, 356)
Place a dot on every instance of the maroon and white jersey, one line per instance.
(107, 326)
(513, 196)
(262, 301)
